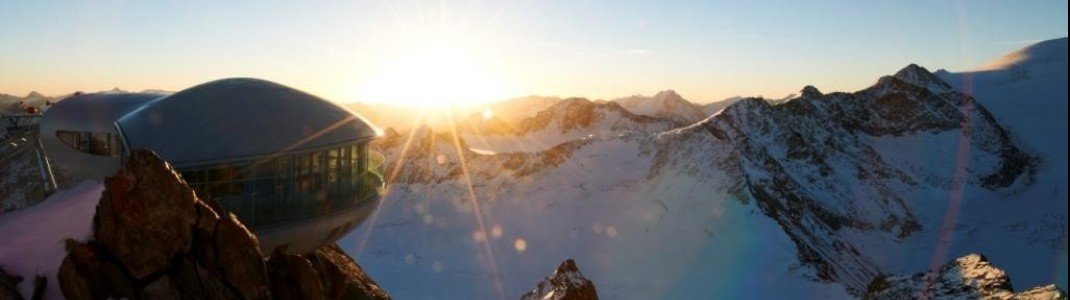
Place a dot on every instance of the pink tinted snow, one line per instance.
(31, 240)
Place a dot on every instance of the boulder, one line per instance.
(154, 238)
(145, 196)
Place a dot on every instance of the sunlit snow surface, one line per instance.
(32, 240)
(680, 234)
(1026, 91)
(635, 237)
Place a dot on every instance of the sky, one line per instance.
(412, 51)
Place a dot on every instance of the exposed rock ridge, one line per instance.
(806, 160)
(967, 277)
(567, 283)
(153, 238)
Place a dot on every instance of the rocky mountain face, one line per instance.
(808, 161)
(567, 283)
(153, 238)
(967, 277)
(845, 176)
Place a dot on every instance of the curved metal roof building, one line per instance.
(198, 124)
(295, 168)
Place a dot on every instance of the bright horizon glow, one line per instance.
(430, 53)
(433, 76)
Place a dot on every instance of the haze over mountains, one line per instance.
(817, 195)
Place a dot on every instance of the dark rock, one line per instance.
(9, 286)
(811, 92)
(203, 248)
(162, 288)
(293, 277)
(153, 238)
(79, 274)
(39, 283)
(567, 283)
(239, 259)
(145, 196)
(342, 278)
(193, 281)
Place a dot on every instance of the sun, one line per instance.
(434, 76)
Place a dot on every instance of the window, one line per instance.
(71, 138)
(96, 143)
(279, 189)
(100, 143)
(332, 167)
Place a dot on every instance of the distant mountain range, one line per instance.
(14, 104)
(822, 194)
(815, 195)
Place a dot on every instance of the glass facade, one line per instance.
(96, 143)
(289, 187)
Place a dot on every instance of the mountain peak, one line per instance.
(567, 266)
(668, 94)
(566, 283)
(810, 92)
(919, 76)
(34, 95)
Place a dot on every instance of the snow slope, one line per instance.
(814, 196)
(33, 238)
(1026, 91)
(637, 228)
(817, 196)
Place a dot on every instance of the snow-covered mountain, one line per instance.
(566, 283)
(666, 105)
(813, 196)
(717, 106)
(16, 104)
(567, 120)
(817, 195)
(810, 161)
(967, 277)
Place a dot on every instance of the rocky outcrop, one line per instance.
(9, 286)
(153, 238)
(808, 161)
(968, 277)
(567, 283)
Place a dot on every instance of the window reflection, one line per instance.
(285, 188)
(96, 143)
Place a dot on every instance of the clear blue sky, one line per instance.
(706, 50)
